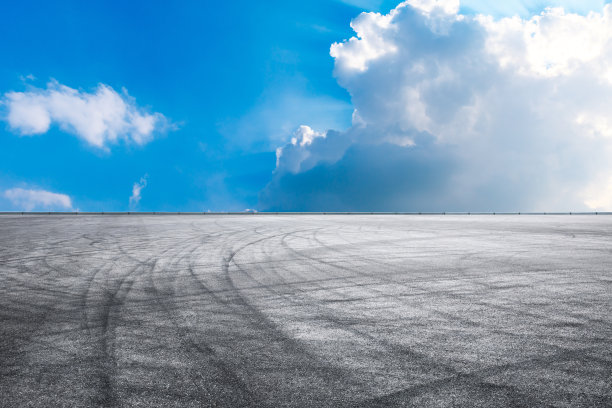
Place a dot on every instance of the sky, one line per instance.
(326, 105)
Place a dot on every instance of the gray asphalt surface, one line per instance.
(298, 310)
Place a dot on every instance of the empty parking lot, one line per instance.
(305, 310)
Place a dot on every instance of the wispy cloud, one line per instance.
(364, 4)
(100, 118)
(29, 200)
(136, 190)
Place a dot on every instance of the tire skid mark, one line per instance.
(474, 375)
(239, 305)
(149, 265)
(200, 347)
(381, 294)
(37, 290)
(48, 312)
(479, 375)
(450, 294)
(330, 315)
(463, 276)
(52, 297)
(338, 322)
(289, 344)
(112, 300)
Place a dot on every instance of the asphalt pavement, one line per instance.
(305, 310)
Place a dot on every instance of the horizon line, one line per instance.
(303, 213)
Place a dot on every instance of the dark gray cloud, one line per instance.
(381, 177)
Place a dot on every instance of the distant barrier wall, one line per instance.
(293, 213)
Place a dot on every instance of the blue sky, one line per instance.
(224, 86)
(204, 66)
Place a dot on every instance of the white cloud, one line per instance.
(304, 135)
(598, 194)
(369, 45)
(294, 154)
(136, 189)
(435, 6)
(552, 44)
(526, 8)
(100, 118)
(29, 200)
(513, 112)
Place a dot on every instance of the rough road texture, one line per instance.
(355, 311)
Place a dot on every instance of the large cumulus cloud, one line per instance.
(456, 112)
